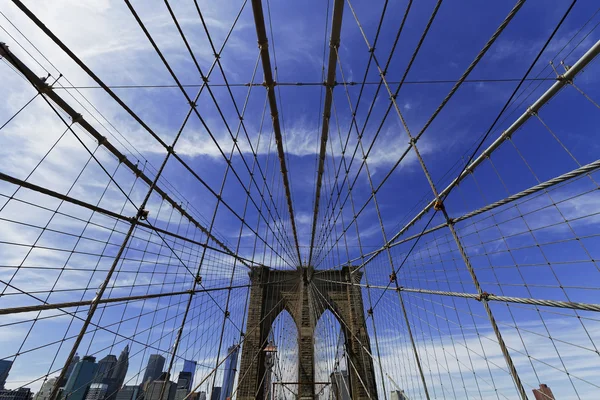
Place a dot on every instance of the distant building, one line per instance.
(216, 393)
(201, 396)
(97, 391)
(229, 374)
(80, 379)
(398, 395)
(74, 361)
(18, 394)
(154, 368)
(5, 366)
(46, 389)
(153, 389)
(190, 366)
(183, 385)
(105, 369)
(340, 385)
(117, 377)
(543, 393)
(132, 392)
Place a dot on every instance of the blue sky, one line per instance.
(544, 247)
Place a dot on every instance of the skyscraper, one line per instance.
(17, 394)
(97, 391)
(117, 377)
(229, 374)
(154, 388)
(46, 389)
(190, 366)
(183, 385)
(5, 366)
(129, 393)
(543, 393)
(105, 369)
(154, 368)
(216, 393)
(74, 361)
(80, 379)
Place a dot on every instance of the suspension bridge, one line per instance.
(259, 199)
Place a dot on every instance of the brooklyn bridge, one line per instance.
(321, 199)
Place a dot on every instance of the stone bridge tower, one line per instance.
(305, 294)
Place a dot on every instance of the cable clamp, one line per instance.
(370, 311)
(170, 150)
(371, 49)
(101, 139)
(198, 280)
(483, 297)
(192, 104)
(227, 314)
(217, 56)
(393, 277)
(77, 118)
(438, 205)
(142, 214)
(531, 112)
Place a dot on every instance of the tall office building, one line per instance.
(105, 369)
(154, 368)
(129, 392)
(80, 379)
(154, 388)
(216, 393)
(543, 393)
(97, 391)
(17, 394)
(46, 389)
(183, 385)
(74, 361)
(117, 376)
(5, 366)
(229, 374)
(398, 395)
(190, 366)
(340, 385)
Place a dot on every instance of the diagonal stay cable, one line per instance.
(263, 44)
(334, 43)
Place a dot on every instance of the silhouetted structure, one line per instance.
(190, 366)
(74, 362)
(543, 393)
(17, 394)
(216, 393)
(46, 389)
(154, 368)
(229, 373)
(80, 379)
(105, 369)
(97, 391)
(153, 389)
(5, 366)
(129, 392)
